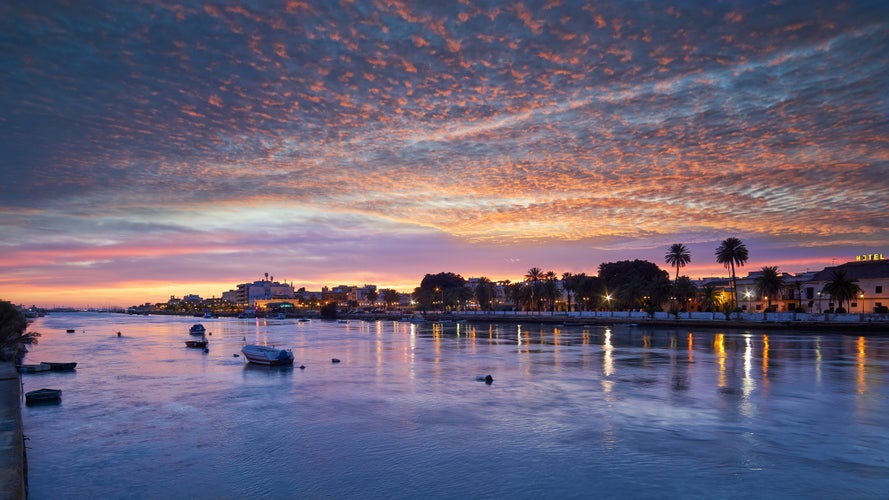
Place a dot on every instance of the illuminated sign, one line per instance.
(869, 257)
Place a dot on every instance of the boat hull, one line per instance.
(61, 367)
(43, 396)
(42, 367)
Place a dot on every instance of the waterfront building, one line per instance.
(872, 277)
(249, 293)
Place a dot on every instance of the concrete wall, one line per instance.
(12, 447)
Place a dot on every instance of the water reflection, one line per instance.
(403, 414)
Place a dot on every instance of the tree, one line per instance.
(484, 293)
(12, 331)
(730, 253)
(769, 284)
(550, 290)
(711, 298)
(329, 310)
(841, 288)
(684, 289)
(533, 278)
(390, 297)
(447, 288)
(372, 296)
(634, 283)
(678, 256)
(570, 283)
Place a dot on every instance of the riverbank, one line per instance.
(12, 446)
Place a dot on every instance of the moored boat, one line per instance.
(43, 396)
(34, 368)
(61, 367)
(197, 329)
(266, 355)
(196, 343)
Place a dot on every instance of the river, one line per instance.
(572, 412)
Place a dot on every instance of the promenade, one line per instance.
(852, 324)
(12, 458)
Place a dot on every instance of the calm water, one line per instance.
(572, 412)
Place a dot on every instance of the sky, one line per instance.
(159, 148)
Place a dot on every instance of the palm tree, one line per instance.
(484, 293)
(711, 298)
(550, 290)
(678, 256)
(684, 289)
(769, 284)
(730, 253)
(841, 288)
(533, 278)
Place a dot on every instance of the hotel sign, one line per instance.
(869, 257)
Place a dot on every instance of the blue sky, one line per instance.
(162, 148)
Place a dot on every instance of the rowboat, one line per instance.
(196, 343)
(43, 396)
(41, 367)
(61, 367)
(266, 355)
(197, 329)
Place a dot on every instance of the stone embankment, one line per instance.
(12, 447)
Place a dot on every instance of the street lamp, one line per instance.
(861, 298)
(747, 295)
(608, 299)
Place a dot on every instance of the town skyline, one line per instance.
(156, 149)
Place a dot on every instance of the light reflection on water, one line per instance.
(573, 412)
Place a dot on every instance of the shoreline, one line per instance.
(13, 476)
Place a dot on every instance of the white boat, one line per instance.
(266, 355)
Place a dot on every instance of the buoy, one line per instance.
(211, 333)
(118, 334)
(206, 349)
(302, 367)
(489, 380)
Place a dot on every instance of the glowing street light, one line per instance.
(608, 299)
(861, 299)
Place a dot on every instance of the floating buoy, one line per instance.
(206, 349)
(211, 333)
(334, 360)
(302, 367)
(118, 334)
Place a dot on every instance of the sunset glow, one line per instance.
(165, 148)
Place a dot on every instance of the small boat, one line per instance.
(266, 355)
(41, 367)
(303, 320)
(197, 329)
(196, 343)
(61, 367)
(70, 330)
(43, 396)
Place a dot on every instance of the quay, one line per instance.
(846, 324)
(13, 475)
